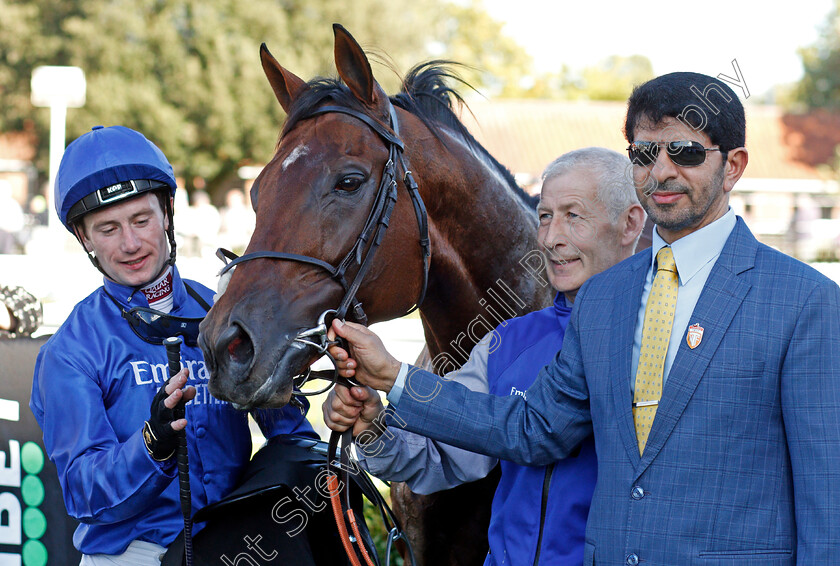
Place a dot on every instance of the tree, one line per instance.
(820, 83)
(610, 79)
(615, 77)
(186, 72)
(182, 72)
(497, 64)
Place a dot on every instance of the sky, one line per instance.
(703, 37)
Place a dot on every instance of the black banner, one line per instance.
(35, 529)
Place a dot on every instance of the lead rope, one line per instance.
(334, 486)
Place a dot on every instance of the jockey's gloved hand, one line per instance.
(160, 438)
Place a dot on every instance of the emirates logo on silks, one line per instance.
(694, 336)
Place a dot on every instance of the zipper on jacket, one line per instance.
(549, 470)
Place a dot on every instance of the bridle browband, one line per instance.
(375, 226)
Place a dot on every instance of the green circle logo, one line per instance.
(34, 523)
(34, 553)
(32, 458)
(32, 490)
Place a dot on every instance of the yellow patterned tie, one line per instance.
(659, 318)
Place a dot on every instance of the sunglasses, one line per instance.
(154, 326)
(682, 153)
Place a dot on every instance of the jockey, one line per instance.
(101, 391)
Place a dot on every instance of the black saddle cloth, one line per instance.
(278, 511)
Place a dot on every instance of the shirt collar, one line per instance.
(695, 250)
(134, 297)
(560, 306)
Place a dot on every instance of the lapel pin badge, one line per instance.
(694, 336)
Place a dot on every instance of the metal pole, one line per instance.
(58, 119)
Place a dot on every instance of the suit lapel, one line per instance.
(626, 315)
(720, 299)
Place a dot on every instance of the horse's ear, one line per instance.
(354, 68)
(286, 85)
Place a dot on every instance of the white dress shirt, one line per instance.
(695, 255)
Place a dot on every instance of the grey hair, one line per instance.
(615, 183)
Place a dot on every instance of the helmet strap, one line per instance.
(170, 231)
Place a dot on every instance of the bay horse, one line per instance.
(335, 156)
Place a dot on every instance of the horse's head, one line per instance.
(314, 203)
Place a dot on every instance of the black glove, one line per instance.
(161, 440)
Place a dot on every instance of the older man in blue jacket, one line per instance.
(589, 219)
(102, 393)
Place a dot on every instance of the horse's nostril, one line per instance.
(236, 347)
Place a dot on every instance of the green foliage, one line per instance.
(187, 74)
(820, 84)
(611, 79)
(615, 77)
(819, 87)
(496, 63)
(373, 520)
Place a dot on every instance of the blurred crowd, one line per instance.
(201, 227)
(17, 224)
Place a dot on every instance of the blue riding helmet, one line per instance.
(108, 165)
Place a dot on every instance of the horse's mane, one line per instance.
(425, 93)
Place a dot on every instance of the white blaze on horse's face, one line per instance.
(296, 153)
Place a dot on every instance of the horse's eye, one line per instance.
(350, 183)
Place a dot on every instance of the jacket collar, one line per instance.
(560, 306)
(693, 251)
(130, 297)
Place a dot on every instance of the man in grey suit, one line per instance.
(708, 368)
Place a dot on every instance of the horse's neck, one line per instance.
(485, 261)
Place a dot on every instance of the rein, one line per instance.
(334, 482)
(370, 237)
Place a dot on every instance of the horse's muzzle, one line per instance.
(248, 378)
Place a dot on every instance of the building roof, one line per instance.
(526, 135)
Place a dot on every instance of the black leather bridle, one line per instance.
(375, 226)
(370, 237)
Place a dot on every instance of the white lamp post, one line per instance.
(58, 88)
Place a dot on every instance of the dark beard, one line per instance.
(687, 217)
